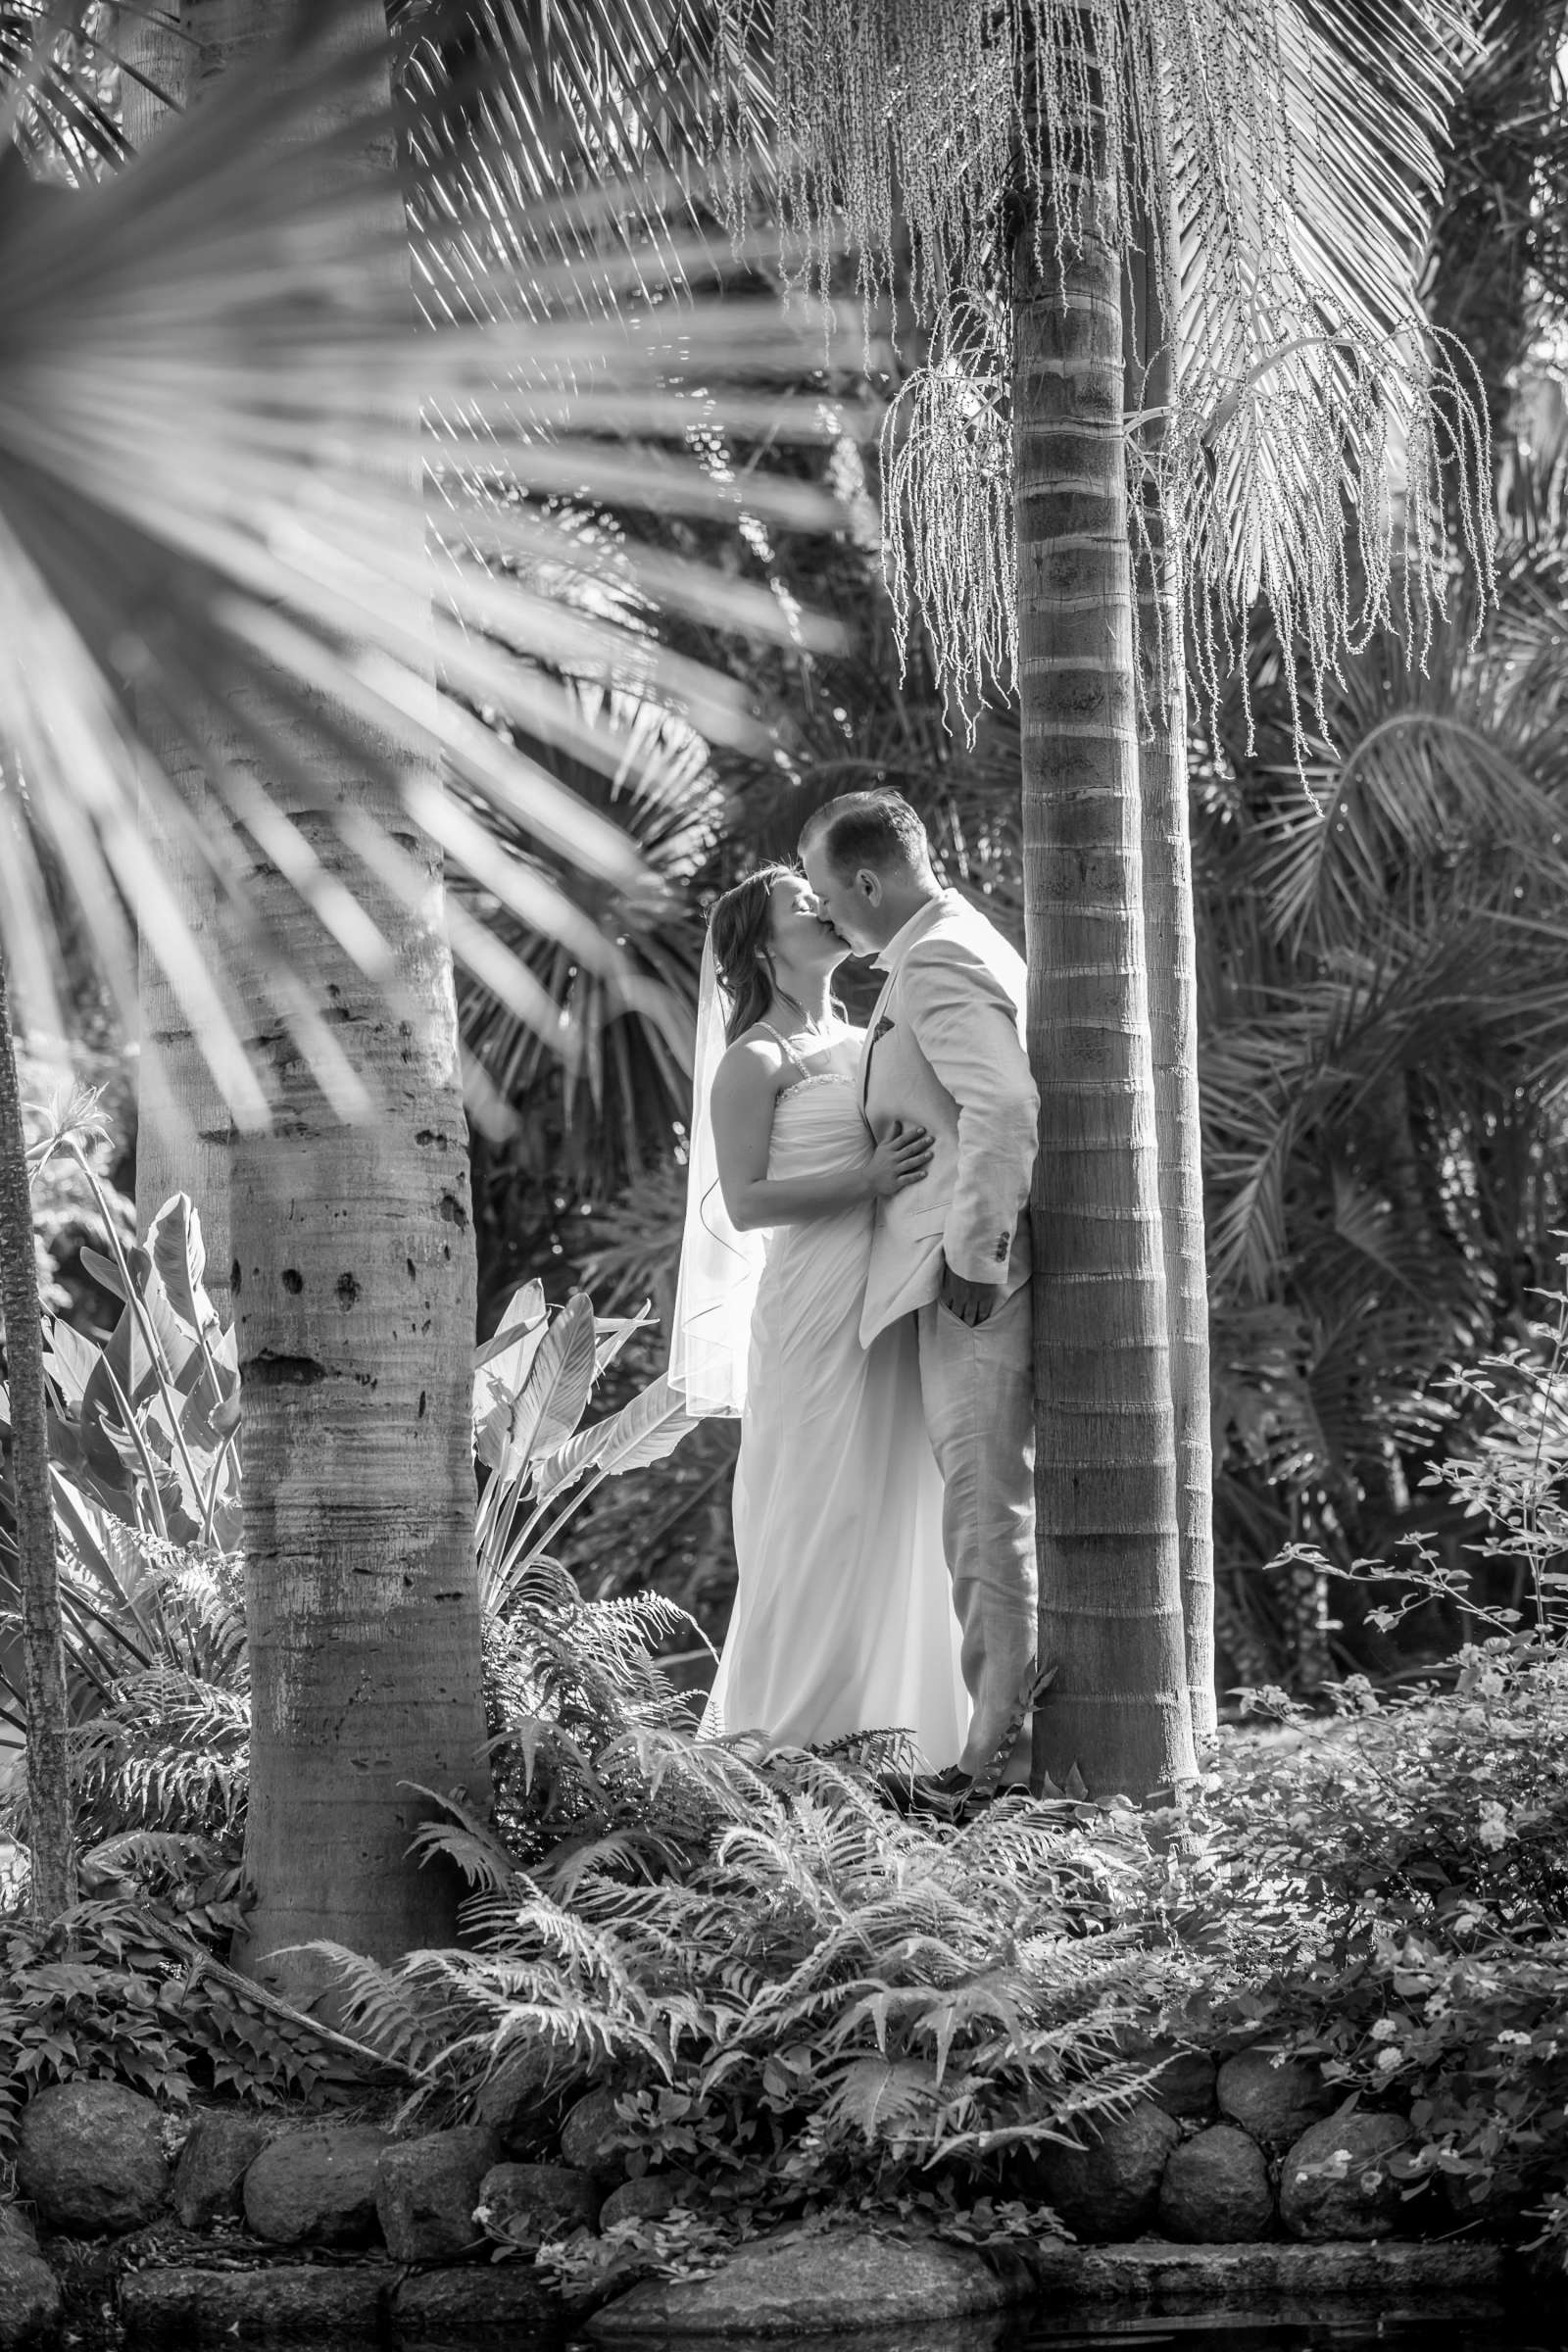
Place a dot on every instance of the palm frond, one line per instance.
(58, 65)
(236, 540)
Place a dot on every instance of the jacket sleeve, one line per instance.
(966, 1025)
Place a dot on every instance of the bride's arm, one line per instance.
(745, 1092)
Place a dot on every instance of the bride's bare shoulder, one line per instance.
(751, 1062)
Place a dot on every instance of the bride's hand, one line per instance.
(902, 1157)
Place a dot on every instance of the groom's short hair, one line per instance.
(878, 829)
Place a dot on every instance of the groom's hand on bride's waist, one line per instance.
(971, 1302)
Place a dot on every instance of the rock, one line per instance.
(527, 2203)
(830, 2284)
(316, 2186)
(90, 2157)
(514, 2099)
(1185, 2083)
(1273, 2099)
(426, 2190)
(1110, 2187)
(504, 2304)
(1215, 2190)
(182, 2309)
(1355, 2195)
(220, 2147)
(647, 2199)
(585, 2132)
(30, 2296)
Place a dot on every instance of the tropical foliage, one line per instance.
(803, 1999)
(800, 1998)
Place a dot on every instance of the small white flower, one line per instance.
(1390, 2058)
(1514, 2040)
(1493, 1831)
(1385, 2029)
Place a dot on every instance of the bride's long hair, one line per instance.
(741, 929)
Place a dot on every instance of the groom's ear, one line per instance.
(868, 883)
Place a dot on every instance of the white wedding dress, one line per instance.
(843, 1617)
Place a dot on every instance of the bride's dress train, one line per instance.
(843, 1617)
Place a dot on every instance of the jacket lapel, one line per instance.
(869, 1047)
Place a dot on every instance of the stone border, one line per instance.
(184, 2307)
(819, 2287)
(1160, 2275)
(837, 2283)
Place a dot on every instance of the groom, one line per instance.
(944, 1052)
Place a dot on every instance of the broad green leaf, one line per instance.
(524, 1312)
(180, 1256)
(552, 1403)
(613, 1331)
(103, 1270)
(124, 1375)
(501, 1369)
(71, 1362)
(644, 1431)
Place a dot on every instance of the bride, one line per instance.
(843, 1617)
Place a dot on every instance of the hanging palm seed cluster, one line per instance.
(1278, 161)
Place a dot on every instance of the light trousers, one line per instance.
(977, 1389)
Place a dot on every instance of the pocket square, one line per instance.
(882, 1027)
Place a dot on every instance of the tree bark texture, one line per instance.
(354, 1288)
(1171, 947)
(1106, 1479)
(155, 44)
(49, 1805)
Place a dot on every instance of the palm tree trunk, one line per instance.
(1172, 952)
(49, 1808)
(354, 1286)
(1106, 1480)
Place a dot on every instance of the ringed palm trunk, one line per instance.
(49, 1806)
(1172, 954)
(1106, 1480)
(354, 1287)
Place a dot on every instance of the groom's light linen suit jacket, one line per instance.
(945, 1050)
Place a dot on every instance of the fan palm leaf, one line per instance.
(210, 379)
(1386, 1043)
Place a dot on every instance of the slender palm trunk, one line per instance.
(1172, 952)
(1105, 1481)
(354, 1288)
(49, 1808)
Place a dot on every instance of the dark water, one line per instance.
(1345, 2329)
(1431, 2332)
